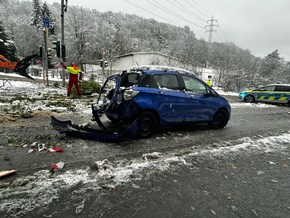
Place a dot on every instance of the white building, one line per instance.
(144, 58)
(208, 73)
(126, 61)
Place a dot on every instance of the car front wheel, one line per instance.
(147, 124)
(220, 120)
(250, 99)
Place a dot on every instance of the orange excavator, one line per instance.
(18, 66)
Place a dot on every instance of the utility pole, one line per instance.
(63, 53)
(103, 61)
(211, 30)
(45, 36)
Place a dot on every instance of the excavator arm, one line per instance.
(19, 67)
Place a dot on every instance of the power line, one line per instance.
(209, 14)
(225, 36)
(189, 12)
(156, 4)
(167, 10)
(174, 14)
(176, 5)
(150, 12)
(208, 17)
(162, 7)
(219, 37)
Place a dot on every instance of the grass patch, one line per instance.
(66, 104)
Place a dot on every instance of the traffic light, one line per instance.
(101, 63)
(106, 63)
(56, 47)
(49, 58)
(63, 53)
(40, 51)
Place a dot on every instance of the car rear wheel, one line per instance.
(220, 120)
(249, 99)
(147, 124)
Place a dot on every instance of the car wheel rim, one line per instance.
(250, 99)
(146, 125)
(220, 120)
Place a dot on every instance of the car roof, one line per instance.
(277, 85)
(152, 69)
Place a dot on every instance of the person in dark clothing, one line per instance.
(73, 77)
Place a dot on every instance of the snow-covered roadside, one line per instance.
(39, 91)
(42, 188)
(35, 91)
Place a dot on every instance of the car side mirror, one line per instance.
(210, 92)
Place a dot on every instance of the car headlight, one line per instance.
(130, 94)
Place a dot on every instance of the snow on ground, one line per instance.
(39, 91)
(36, 91)
(221, 92)
(42, 188)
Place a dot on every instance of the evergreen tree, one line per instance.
(7, 47)
(37, 19)
(46, 13)
(271, 66)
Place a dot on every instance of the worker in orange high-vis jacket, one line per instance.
(73, 77)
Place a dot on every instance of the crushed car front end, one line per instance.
(115, 100)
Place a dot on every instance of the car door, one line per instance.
(265, 94)
(169, 99)
(282, 94)
(199, 105)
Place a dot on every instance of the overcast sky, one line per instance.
(262, 26)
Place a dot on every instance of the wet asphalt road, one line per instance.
(246, 185)
(200, 175)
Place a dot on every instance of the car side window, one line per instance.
(130, 80)
(282, 88)
(167, 81)
(268, 88)
(193, 85)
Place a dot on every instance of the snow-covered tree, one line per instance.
(7, 47)
(271, 66)
(36, 15)
(46, 13)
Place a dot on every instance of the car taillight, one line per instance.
(130, 94)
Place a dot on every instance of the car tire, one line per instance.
(147, 124)
(249, 99)
(220, 120)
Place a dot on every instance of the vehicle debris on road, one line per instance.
(7, 173)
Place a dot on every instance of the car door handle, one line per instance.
(191, 96)
(160, 92)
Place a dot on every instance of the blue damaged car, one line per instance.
(160, 97)
(142, 100)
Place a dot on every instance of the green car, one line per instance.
(274, 93)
